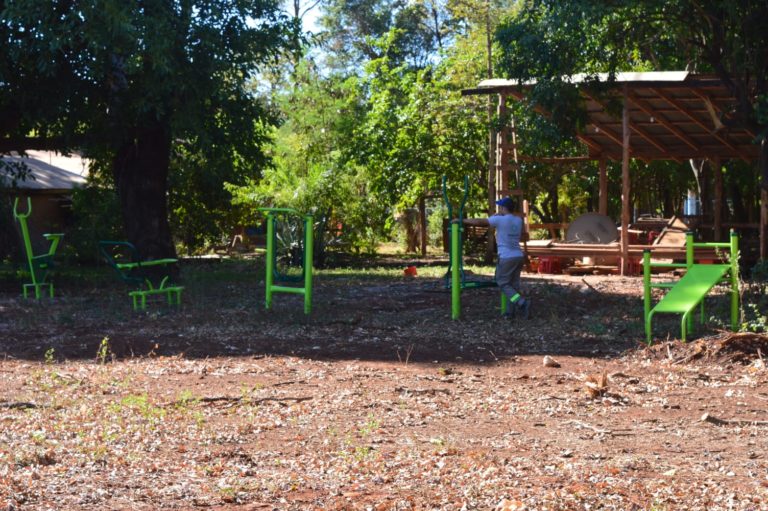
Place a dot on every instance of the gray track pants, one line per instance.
(508, 275)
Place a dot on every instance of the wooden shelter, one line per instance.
(669, 115)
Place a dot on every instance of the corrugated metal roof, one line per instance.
(647, 76)
(51, 171)
(673, 115)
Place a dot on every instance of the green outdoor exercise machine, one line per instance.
(689, 292)
(455, 277)
(273, 274)
(40, 265)
(141, 274)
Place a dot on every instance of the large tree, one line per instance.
(128, 81)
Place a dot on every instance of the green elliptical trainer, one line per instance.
(455, 278)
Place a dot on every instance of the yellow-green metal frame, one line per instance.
(687, 318)
(271, 287)
(41, 264)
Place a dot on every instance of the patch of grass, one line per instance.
(140, 405)
(371, 425)
(185, 400)
(104, 351)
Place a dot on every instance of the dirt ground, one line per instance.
(376, 401)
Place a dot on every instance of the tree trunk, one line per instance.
(140, 169)
(763, 197)
(490, 246)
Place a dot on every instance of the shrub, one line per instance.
(96, 216)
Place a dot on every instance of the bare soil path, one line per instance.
(377, 401)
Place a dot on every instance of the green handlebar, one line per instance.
(16, 213)
(279, 210)
(463, 199)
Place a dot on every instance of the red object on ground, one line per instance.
(410, 271)
(550, 265)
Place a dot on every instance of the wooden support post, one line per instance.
(603, 192)
(489, 242)
(502, 152)
(717, 168)
(423, 224)
(625, 185)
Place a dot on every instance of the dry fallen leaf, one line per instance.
(597, 384)
(509, 505)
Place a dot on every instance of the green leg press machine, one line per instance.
(40, 265)
(689, 292)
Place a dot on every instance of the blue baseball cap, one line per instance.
(506, 202)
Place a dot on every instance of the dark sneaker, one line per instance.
(524, 309)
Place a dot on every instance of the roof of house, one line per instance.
(673, 115)
(50, 171)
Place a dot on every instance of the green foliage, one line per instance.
(311, 170)
(354, 29)
(104, 352)
(418, 129)
(435, 226)
(201, 212)
(759, 276)
(50, 356)
(755, 317)
(96, 216)
(548, 41)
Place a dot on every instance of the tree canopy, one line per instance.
(189, 106)
(130, 81)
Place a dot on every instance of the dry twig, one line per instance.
(19, 405)
(731, 422)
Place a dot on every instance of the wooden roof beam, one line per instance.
(681, 108)
(557, 160)
(708, 101)
(648, 109)
(637, 129)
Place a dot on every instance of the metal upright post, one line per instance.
(308, 258)
(647, 290)
(690, 260)
(270, 277)
(455, 273)
(689, 255)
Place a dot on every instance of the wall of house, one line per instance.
(50, 214)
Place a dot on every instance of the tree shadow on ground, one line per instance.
(358, 314)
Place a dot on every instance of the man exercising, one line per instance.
(509, 229)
